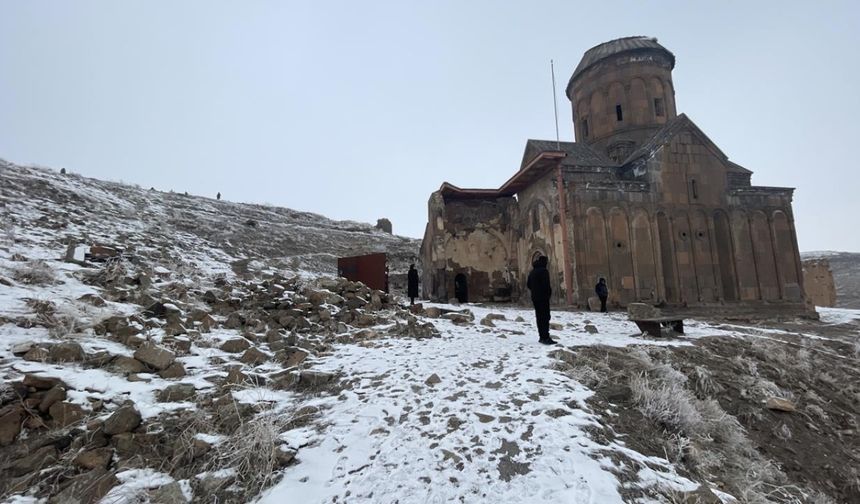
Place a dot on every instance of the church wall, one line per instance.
(538, 230)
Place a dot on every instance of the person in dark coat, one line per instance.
(602, 291)
(538, 284)
(412, 284)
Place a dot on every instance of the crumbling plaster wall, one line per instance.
(469, 237)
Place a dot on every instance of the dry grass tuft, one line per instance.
(35, 273)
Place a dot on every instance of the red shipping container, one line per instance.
(370, 269)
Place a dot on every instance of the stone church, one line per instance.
(642, 198)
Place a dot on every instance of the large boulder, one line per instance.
(98, 458)
(254, 357)
(155, 356)
(127, 365)
(87, 487)
(55, 394)
(125, 419)
(66, 413)
(291, 356)
(177, 392)
(38, 459)
(41, 382)
(10, 425)
(175, 370)
(235, 345)
(67, 351)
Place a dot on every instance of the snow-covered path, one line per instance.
(499, 426)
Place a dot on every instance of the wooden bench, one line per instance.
(658, 327)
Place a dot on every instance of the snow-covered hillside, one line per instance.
(59, 207)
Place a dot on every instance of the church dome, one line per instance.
(618, 46)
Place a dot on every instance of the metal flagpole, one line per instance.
(554, 105)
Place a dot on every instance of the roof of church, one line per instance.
(577, 153)
(665, 135)
(617, 46)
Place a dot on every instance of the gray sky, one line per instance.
(360, 109)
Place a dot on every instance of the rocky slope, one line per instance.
(172, 225)
(846, 275)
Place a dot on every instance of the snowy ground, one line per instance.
(500, 426)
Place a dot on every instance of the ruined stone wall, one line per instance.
(470, 238)
(818, 282)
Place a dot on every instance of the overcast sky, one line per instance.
(360, 109)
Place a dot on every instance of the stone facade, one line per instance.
(818, 282)
(643, 198)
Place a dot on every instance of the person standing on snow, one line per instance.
(412, 284)
(602, 292)
(538, 284)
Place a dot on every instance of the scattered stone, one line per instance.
(67, 351)
(37, 354)
(519, 319)
(433, 379)
(591, 329)
(93, 459)
(253, 357)
(125, 419)
(92, 299)
(53, 395)
(41, 382)
(40, 458)
(10, 425)
(508, 468)
(127, 365)
(175, 370)
(234, 321)
(487, 322)
(779, 404)
(22, 348)
(170, 493)
(291, 356)
(555, 326)
(88, 487)
(177, 392)
(155, 356)
(235, 345)
(65, 413)
(283, 456)
(459, 318)
(235, 375)
(311, 379)
(485, 418)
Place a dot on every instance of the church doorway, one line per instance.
(461, 288)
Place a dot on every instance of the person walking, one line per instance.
(538, 284)
(602, 291)
(412, 284)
